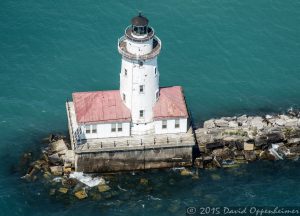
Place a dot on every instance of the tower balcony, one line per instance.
(122, 42)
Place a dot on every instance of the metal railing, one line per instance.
(126, 143)
(124, 52)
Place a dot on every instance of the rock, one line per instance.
(221, 123)
(207, 158)
(216, 163)
(274, 137)
(69, 157)
(56, 170)
(283, 150)
(47, 175)
(265, 155)
(103, 188)
(249, 155)
(67, 170)
(258, 123)
(233, 124)
(295, 149)
(280, 122)
(81, 194)
(55, 159)
(209, 124)
(144, 181)
(215, 177)
(185, 172)
(223, 154)
(63, 190)
(242, 119)
(58, 146)
(292, 123)
(269, 116)
(52, 191)
(248, 146)
(69, 182)
(293, 141)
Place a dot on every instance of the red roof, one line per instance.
(100, 106)
(171, 104)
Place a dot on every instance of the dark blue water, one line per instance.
(231, 57)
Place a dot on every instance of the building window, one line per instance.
(125, 72)
(155, 71)
(177, 123)
(124, 97)
(113, 127)
(141, 113)
(94, 129)
(164, 124)
(88, 129)
(142, 88)
(157, 94)
(120, 127)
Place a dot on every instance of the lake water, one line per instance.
(232, 57)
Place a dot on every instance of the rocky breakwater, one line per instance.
(229, 141)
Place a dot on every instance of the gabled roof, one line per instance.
(100, 107)
(171, 104)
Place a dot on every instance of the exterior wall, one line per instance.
(104, 130)
(183, 126)
(146, 75)
(134, 159)
(139, 48)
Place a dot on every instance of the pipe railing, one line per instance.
(123, 51)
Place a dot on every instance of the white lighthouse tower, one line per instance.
(140, 106)
(139, 76)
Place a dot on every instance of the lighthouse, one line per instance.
(140, 107)
(141, 125)
(139, 76)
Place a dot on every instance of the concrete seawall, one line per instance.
(134, 159)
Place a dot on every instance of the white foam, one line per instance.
(87, 179)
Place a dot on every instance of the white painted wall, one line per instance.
(138, 47)
(183, 126)
(146, 75)
(104, 131)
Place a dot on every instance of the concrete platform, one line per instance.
(130, 153)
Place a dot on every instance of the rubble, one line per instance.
(248, 138)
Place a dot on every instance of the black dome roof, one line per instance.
(139, 20)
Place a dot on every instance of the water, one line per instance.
(231, 57)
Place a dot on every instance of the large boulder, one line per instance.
(58, 146)
(223, 154)
(257, 122)
(209, 124)
(55, 159)
(56, 170)
(221, 123)
(249, 155)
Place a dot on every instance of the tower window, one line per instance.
(177, 123)
(120, 127)
(94, 129)
(125, 72)
(142, 88)
(155, 72)
(141, 113)
(124, 97)
(157, 94)
(164, 124)
(113, 127)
